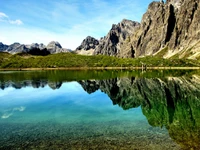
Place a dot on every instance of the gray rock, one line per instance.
(112, 44)
(36, 45)
(88, 43)
(17, 48)
(171, 27)
(55, 47)
(174, 25)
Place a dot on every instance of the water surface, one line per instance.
(99, 110)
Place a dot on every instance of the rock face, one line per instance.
(173, 26)
(88, 43)
(113, 43)
(87, 46)
(170, 28)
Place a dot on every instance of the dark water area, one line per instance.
(100, 110)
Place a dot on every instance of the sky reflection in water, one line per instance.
(119, 113)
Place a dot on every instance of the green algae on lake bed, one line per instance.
(109, 135)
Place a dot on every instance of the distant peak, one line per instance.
(54, 43)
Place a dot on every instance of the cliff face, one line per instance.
(171, 28)
(113, 43)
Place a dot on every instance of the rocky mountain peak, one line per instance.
(113, 42)
(54, 47)
(36, 45)
(88, 43)
(55, 44)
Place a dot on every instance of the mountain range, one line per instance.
(168, 29)
(35, 48)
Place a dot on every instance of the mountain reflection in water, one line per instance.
(170, 102)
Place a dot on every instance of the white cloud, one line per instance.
(2, 15)
(5, 18)
(17, 22)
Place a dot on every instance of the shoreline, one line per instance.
(102, 68)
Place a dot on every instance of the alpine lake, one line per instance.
(100, 109)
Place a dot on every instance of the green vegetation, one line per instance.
(66, 60)
(162, 52)
(77, 75)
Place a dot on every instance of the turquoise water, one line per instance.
(112, 113)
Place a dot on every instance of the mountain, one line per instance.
(16, 48)
(171, 28)
(88, 43)
(34, 49)
(87, 46)
(167, 30)
(55, 47)
(36, 45)
(113, 43)
(3, 47)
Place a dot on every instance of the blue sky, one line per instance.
(65, 21)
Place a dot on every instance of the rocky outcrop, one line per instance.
(87, 46)
(113, 43)
(54, 47)
(88, 43)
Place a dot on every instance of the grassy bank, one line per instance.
(69, 60)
